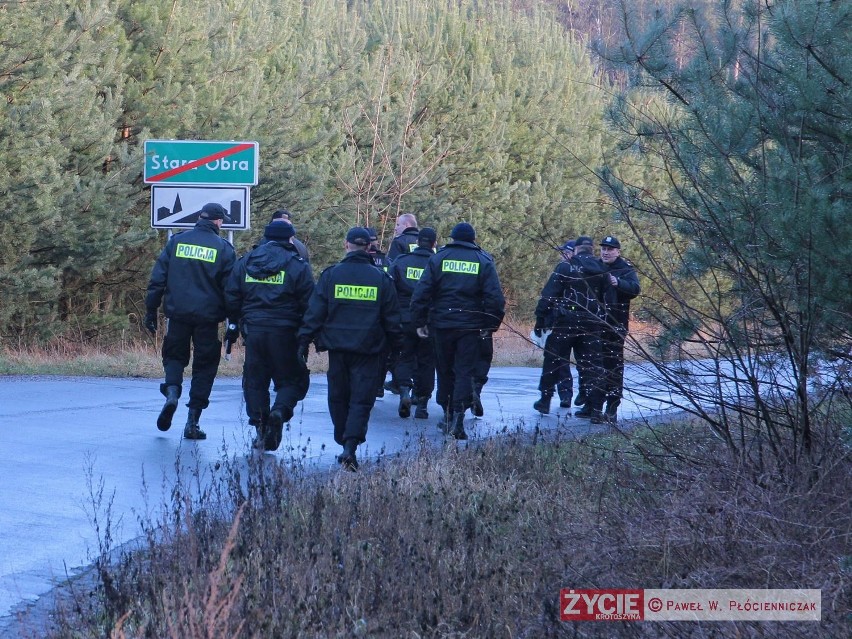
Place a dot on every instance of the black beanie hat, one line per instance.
(281, 231)
(427, 237)
(463, 232)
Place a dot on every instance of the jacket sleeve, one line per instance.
(421, 299)
(494, 303)
(234, 292)
(159, 278)
(553, 290)
(317, 311)
(628, 283)
(304, 289)
(391, 316)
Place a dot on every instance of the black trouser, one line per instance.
(352, 381)
(457, 352)
(557, 364)
(483, 363)
(583, 337)
(612, 346)
(415, 367)
(272, 356)
(206, 349)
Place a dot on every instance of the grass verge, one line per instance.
(474, 541)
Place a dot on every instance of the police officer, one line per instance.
(572, 300)
(405, 236)
(457, 298)
(415, 368)
(622, 285)
(269, 290)
(354, 315)
(189, 278)
(557, 354)
(283, 215)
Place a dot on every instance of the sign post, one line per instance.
(186, 174)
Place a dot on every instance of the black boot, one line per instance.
(476, 404)
(581, 398)
(584, 413)
(404, 401)
(164, 421)
(191, 430)
(596, 416)
(421, 412)
(347, 459)
(457, 431)
(611, 413)
(543, 404)
(565, 399)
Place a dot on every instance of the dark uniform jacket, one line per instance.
(618, 297)
(353, 308)
(270, 287)
(406, 271)
(379, 259)
(403, 243)
(191, 273)
(459, 289)
(573, 293)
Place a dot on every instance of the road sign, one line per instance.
(178, 206)
(191, 162)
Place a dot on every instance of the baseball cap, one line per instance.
(372, 233)
(281, 214)
(568, 246)
(584, 240)
(611, 241)
(358, 235)
(214, 211)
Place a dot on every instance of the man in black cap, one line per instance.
(405, 236)
(557, 354)
(571, 302)
(622, 285)
(268, 291)
(380, 259)
(190, 274)
(415, 367)
(283, 215)
(457, 299)
(354, 315)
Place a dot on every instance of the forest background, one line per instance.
(693, 131)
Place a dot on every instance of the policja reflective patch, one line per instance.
(412, 273)
(353, 292)
(278, 278)
(195, 252)
(458, 266)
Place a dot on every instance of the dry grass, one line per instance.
(477, 542)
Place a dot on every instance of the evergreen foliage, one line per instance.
(753, 148)
(362, 110)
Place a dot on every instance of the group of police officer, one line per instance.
(417, 310)
(584, 308)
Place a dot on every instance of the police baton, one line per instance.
(228, 344)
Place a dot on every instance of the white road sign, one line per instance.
(178, 206)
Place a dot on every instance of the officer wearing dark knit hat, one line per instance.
(463, 232)
(279, 231)
(611, 241)
(214, 211)
(583, 240)
(427, 237)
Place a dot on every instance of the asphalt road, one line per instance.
(74, 450)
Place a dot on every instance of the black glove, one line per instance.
(302, 353)
(232, 333)
(539, 327)
(485, 333)
(151, 320)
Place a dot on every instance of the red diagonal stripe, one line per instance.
(196, 163)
